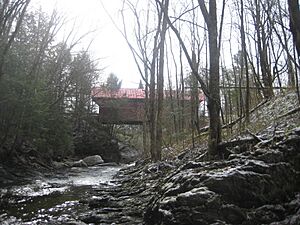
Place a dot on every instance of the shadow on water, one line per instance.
(53, 199)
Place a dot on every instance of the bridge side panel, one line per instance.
(130, 112)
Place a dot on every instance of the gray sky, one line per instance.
(108, 44)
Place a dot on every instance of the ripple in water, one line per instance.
(53, 199)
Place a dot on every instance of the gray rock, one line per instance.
(91, 218)
(226, 191)
(79, 163)
(93, 160)
(267, 214)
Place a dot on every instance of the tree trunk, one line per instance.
(160, 82)
(263, 55)
(245, 63)
(214, 81)
(295, 29)
(294, 23)
(213, 91)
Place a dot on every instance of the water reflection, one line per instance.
(53, 198)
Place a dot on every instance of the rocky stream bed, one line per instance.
(258, 183)
(53, 198)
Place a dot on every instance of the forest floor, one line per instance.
(257, 181)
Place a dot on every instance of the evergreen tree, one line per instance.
(113, 83)
(141, 86)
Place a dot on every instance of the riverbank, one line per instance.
(27, 165)
(257, 185)
(256, 182)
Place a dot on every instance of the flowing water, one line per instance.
(53, 199)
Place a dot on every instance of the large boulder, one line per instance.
(93, 160)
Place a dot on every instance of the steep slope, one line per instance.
(257, 182)
(281, 113)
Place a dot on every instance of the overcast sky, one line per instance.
(108, 44)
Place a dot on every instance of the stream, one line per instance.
(53, 199)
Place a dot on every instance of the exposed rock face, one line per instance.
(258, 187)
(222, 191)
(93, 160)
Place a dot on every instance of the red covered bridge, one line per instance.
(123, 106)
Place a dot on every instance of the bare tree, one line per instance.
(153, 64)
(214, 76)
(260, 23)
(212, 91)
